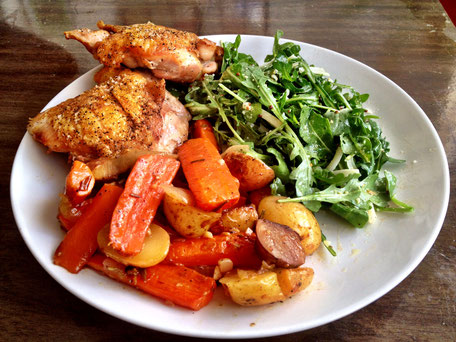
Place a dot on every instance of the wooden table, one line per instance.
(411, 42)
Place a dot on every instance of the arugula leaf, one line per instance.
(357, 217)
(281, 170)
(391, 187)
(316, 132)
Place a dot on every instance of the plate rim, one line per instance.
(325, 319)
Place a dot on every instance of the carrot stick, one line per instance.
(139, 201)
(80, 242)
(79, 182)
(239, 247)
(203, 129)
(178, 284)
(208, 176)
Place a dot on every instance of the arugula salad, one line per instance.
(325, 147)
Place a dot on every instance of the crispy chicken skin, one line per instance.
(170, 54)
(127, 115)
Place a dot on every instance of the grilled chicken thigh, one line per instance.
(170, 54)
(111, 124)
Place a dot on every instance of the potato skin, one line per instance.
(183, 216)
(294, 280)
(236, 219)
(294, 215)
(252, 288)
(252, 173)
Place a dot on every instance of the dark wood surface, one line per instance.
(411, 42)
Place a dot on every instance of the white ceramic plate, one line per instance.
(370, 261)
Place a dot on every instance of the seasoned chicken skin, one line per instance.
(170, 54)
(128, 115)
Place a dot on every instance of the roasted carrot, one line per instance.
(242, 201)
(177, 284)
(239, 247)
(79, 182)
(256, 196)
(139, 202)
(208, 176)
(80, 242)
(203, 129)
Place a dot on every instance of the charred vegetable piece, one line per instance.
(279, 245)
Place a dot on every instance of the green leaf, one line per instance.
(281, 170)
(316, 132)
(391, 187)
(232, 55)
(302, 175)
(357, 217)
(277, 188)
(328, 177)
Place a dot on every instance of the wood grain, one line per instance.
(411, 42)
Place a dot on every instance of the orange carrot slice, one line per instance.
(79, 182)
(203, 129)
(239, 247)
(177, 284)
(139, 201)
(208, 176)
(80, 242)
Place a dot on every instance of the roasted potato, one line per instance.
(239, 218)
(182, 214)
(294, 215)
(251, 172)
(294, 280)
(250, 288)
(154, 251)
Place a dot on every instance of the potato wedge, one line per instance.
(249, 288)
(154, 251)
(251, 172)
(252, 288)
(236, 219)
(294, 280)
(296, 216)
(183, 216)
